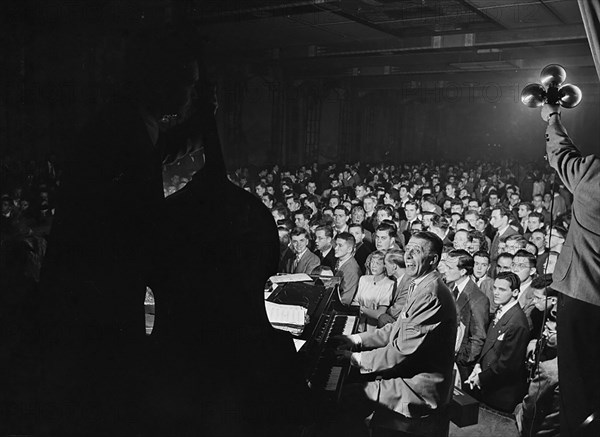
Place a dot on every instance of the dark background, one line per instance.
(323, 80)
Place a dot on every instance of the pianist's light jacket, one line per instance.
(412, 359)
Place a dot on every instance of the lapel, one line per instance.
(526, 297)
(495, 331)
(419, 288)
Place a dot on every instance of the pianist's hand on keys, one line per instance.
(343, 342)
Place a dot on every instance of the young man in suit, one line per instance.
(499, 221)
(411, 360)
(480, 276)
(576, 277)
(346, 267)
(363, 248)
(302, 259)
(325, 252)
(500, 375)
(472, 310)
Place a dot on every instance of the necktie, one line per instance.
(497, 316)
(411, 288)
(455, 292)
(337, 266)
(295, 264)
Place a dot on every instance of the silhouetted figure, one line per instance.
(105, 230)
(222, 370)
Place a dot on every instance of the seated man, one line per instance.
(346, 267)
(325, 252)
(500, 375)
(302, 259)
(538, 413)
(411, 360)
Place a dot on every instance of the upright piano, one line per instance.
(327, 318)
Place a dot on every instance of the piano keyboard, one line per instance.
(329, 373)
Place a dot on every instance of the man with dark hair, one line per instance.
(499, 221)
(340, 219)
(481, 267)
(525, 208)
(576, 277)
(323, 243)
(500, 376)
(363, 248)
(346, 266)
(441, 227)
(411, 210)
(419, 347)
(472, 310)
(503, 263)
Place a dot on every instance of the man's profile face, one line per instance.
(292, 204)
(299, 243)
(267, 202)
(417, 258)
(453, 273)
(497, 219)
(383, 241)
(300, 221)
(502, 292)
(322, 241)
(342, 248)
(481, 266)
(523, 211)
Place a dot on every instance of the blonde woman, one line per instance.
(374, 293)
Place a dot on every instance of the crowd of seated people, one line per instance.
(502, 226)
(501, 238)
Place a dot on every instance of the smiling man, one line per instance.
(410, 360)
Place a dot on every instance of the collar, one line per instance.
(344, 262)
(504, 309)
(461, 285)
(300, 255)
(326, 252)
(502, 230)
(421, 278)
(524, 286)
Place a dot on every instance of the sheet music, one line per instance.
(292, 277)
(290, 315)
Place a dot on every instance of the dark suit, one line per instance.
(576, 277)
(473, 311)
(496, 242)
(329, 260)
(361, 254)
(503, 374)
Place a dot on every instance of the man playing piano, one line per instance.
(409, 363)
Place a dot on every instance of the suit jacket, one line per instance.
(527, 304)
(577, 272)
(361, 254)
(487, 288)
(413, 357)
(306, 264)
(329, 260)
(400, 297)
(496, 241)
(503, 375)
(350, 274)
(473, 311)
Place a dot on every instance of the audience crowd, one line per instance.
(502, 224)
